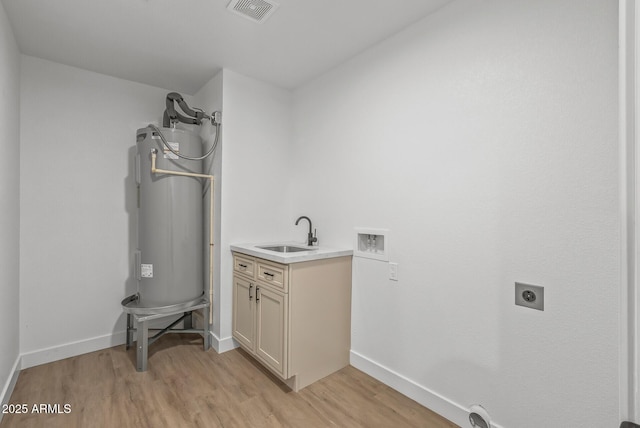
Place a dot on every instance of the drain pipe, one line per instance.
(154, 170)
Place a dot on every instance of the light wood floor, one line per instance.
(187, 387)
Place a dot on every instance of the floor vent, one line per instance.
(255, 10)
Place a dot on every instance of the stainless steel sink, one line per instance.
(284, 248)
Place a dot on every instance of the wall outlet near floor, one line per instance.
(393, 271)
(530, 296)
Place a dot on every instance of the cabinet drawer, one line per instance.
(273, 275)
(245, 266)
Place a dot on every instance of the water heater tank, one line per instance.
(169, 264)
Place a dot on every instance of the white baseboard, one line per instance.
(55, 353)
(7, 390)
(60, 352)
(222, 345)
(11, 382)
(455, 412)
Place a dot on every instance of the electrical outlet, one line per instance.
(530, 296)
(393, 271)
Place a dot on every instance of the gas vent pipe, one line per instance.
(155, 170)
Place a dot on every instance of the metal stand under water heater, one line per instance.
(169, 261)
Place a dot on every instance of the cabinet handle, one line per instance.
(257, 294)
(243, 267)
(268, 275)
(250, 287)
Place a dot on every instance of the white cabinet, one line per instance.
(295, 319)
(244, 312)
(260, 312)
(271, 328)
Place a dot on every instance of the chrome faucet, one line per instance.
(310, 238)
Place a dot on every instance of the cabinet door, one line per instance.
(272, 328)
(244, 310)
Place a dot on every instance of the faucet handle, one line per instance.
(314, 239)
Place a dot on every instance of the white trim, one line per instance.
(60, 352)
(222, 345)
(443, 406)
(629, 407)
(56, 353)
(632, 287)
(10, 384)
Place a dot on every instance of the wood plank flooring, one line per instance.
(187, 387)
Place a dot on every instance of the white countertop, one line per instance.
(314, 253)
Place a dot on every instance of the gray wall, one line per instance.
(485, 138)
(77, 205)
(9, 200)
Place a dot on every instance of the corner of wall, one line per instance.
(222, 345)
(10, 207)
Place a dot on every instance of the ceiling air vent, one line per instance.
(255, 10)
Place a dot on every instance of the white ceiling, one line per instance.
(180, 44)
